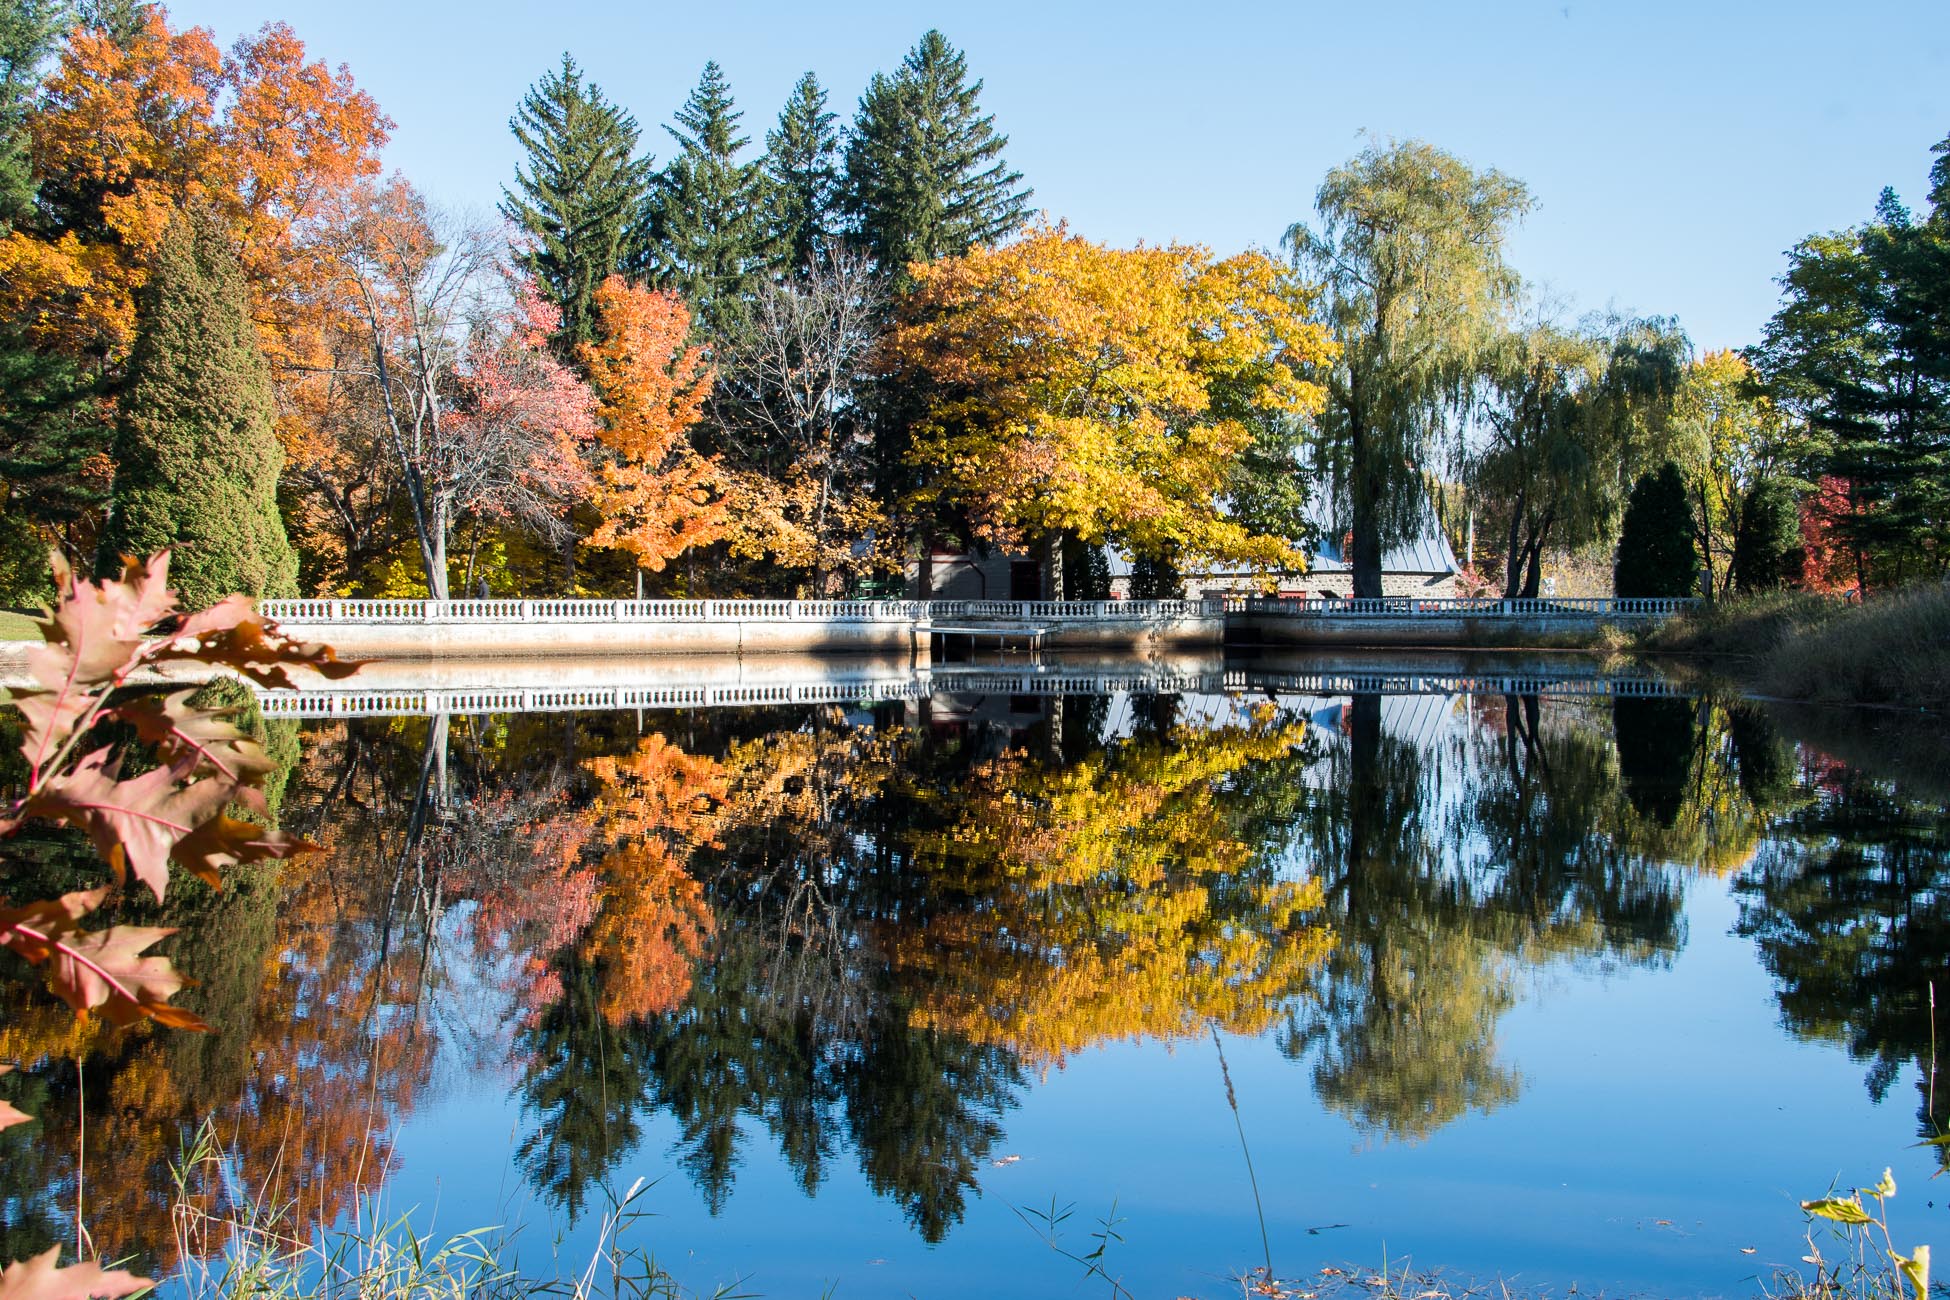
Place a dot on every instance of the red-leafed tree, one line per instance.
(1832, 563)
(171, 812)
(454, 375)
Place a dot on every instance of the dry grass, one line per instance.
(238, 1245)
(1747, 628)
(1891, 650)
(17, 627)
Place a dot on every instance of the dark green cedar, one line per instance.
(1767, 549)
(579, 199)
(1657, 555)
(925, 177)
(196, 460)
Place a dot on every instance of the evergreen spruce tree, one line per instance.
(1767, 549)
(802, 176)
(1860, 350)
(28, 31)
(925, 177)
(1657, 555)
(580, 197)
(196, 461)
(709, 215)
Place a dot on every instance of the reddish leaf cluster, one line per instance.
(95, 641)
(98, 637)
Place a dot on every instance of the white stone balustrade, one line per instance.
(329, 611)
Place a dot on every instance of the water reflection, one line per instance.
(1849, 905)
(858, 933)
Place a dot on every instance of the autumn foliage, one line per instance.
(657, 805)
(1832, 564)
(657, 496)
(1093, 391)
(99, 637)
(132, 129)
(1114, 901)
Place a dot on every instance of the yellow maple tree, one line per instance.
(1073, 388)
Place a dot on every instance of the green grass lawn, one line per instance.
(17, 627)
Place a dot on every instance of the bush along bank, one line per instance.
(1892, 649)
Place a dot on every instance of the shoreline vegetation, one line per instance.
(1891, 650)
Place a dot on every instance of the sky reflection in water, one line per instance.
(1570, 987)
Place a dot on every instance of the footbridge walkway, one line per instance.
(501, 628)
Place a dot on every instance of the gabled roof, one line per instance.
(1429, 552)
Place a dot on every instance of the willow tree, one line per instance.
(1409, 250)
(1545, 465)
(1566, 413)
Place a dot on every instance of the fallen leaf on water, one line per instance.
(1662, 1223)
(1004, 1160)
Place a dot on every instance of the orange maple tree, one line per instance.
(658, 497)
(133, 125)
(658, 805)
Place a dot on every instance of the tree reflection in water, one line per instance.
(1849, 905)
(862, 936)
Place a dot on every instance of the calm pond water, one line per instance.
(1572, 982)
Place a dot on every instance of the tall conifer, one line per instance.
(1767, 550)
(709, 215)
(925, 177)
(580, 197)
(1657, 555)
(196, 461)
(802, 175)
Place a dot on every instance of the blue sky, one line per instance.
(1675, 150)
